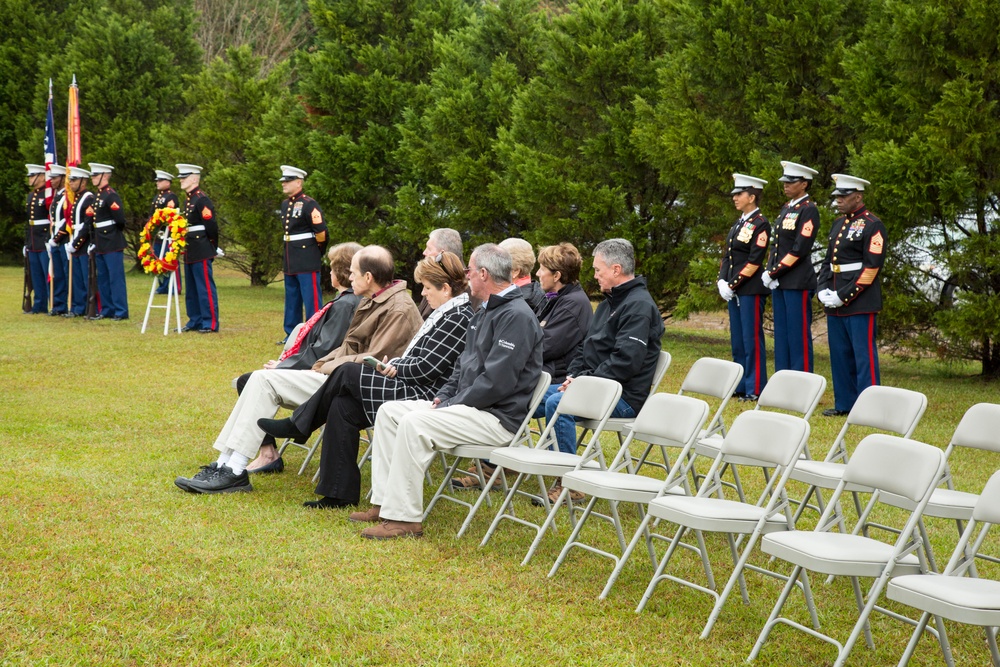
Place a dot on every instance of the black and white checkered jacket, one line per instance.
(424, 369)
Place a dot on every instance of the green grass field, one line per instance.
(106, 562)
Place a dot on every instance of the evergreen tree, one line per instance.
(924, 91)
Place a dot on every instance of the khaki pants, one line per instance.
(406, 434)
(264, 393)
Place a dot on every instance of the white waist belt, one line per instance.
(840, 268)
(41, 221)
(196, 228)
(299, 237)
(106, 223)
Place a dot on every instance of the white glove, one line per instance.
(830, 299)
(219, 252)
(24, 251)
(91, 249)
(50, 245)
(69, 252)
(769, 282)
(725, 291)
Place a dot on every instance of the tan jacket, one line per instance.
(382, 326)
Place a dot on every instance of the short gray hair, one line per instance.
(495, 260)
(447, 240)
(617, 251)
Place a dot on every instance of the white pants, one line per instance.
(264, 392)
(405, 437)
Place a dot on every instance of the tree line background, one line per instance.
(545, 119)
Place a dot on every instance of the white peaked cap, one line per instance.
(743, 182)
(290, 173)
(57, 170)
(846, 184)
(163, 176)
(34, 169)
(77, 172)
(187, 169)
(98, 168)
(796, 172)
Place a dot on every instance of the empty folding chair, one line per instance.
(478, 452)
(666, 421)
(954, 596)
(316, 438)
(621, 425)
(886, 408)
(756, 438)
(881, 463)
(588, 397)
(979, 429)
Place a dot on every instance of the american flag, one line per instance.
(50, 148)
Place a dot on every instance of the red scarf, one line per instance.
(304, 331)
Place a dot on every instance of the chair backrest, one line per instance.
(523, 432)
(898, 465)
(292, 337)
(770, 437)
(662, 364)
(987, 508)
(590, 397)
(670, 420)
(716, 378)
(794, 391)
(889, 409)
(979, 428)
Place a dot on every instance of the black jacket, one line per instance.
(36, 236)
(533, 296)
(791, 246)
(326, 335)
(623, 342)
(302, 215)
(200, 212)
(746, 250)
(856, 238)
(565, 320)
(163, 199)
(502, 360)
(81, 222)
(107, 230)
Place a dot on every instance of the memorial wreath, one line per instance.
(176, 231)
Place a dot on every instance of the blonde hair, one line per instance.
(340, 257)
(445, 268)
(521, 255)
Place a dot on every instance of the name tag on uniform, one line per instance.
(745, 233)
(788, 222)
(297, 209)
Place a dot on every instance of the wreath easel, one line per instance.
(170, 226)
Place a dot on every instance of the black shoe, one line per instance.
(188, 328)
(277, 465)
(281, 428)
(834, 412)
(325, 503)
(119, 319)
(53, 313)
(224, 480)
(282, 341)
(95, 317)
(203, 473)
(748, 398)
(739, 395)
(206, 330)
(72, 315)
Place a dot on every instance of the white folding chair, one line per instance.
(888, 409)
(667, 421)
(979, 429)
(621, 425)
(316, 439)
(478, 452)
(791, 391)
(756, 438)
(954, 596)
(588, 397)
(880, 463)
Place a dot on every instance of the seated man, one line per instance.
(623, 342)
(383, 324)
(484, 401)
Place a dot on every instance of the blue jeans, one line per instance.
(565, 427)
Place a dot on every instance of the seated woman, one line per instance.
(353, 393)
(564, 316)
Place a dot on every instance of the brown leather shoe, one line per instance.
(370, 515)
(390, 530)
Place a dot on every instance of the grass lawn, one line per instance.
(106, 562)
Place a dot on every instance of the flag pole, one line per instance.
(50, 158)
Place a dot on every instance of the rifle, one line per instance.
(92, 310)
(26, 301)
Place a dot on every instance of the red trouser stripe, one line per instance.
(871, 347)
(806, 334)
(756, 344)
(208, 291)
(315, 291)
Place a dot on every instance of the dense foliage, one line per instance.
(547, 120)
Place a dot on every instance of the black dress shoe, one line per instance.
(119, 319)
(71, 315)
(95, 317)
(748, 398)
(281, 428)
(282, 341)
(53, 313)
(739, 395)
(203, 473)
(834, 412)
(223, 480)
(206, 330)
(277, 465)
(187, 328)
(325, 503)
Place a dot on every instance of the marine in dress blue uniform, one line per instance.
(202, 299)
(58, 260)
(107, 234)
(850, 290)
(81, 221)
(789, 273)
(739, 284)
(304, 236)
(164, 199)
(36, 236)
